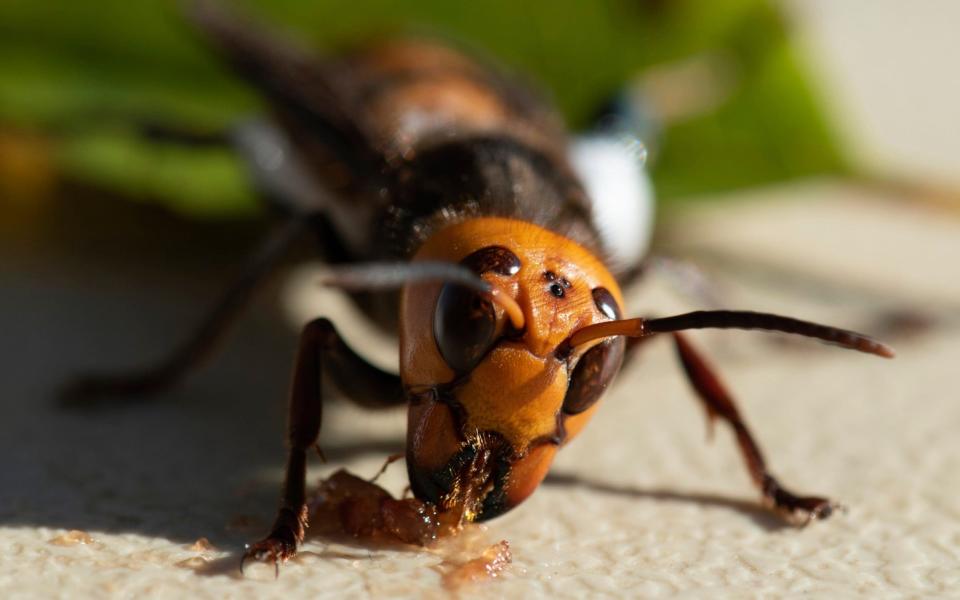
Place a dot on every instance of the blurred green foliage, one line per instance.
(85, 71)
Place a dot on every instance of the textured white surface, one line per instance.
(639, 505)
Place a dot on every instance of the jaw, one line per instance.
(471, 485)
(483, 479)
(466, 470)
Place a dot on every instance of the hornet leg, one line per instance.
(322, 352)
(719, 404)
(90, 388)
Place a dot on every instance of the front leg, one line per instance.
(719, 404)
(321, 352)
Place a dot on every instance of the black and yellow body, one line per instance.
(433, 155)
(417, 155)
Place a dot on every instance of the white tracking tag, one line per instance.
(611, 169)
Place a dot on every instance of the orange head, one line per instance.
(502, 372)
(493, 392)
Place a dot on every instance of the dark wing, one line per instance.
(310, 95)
(376, 106)
(402, 129)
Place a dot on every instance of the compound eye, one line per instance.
(464, 327)
(593, 374)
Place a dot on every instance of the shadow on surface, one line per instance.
(95, 284)
(759, 515)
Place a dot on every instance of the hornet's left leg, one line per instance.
(322, 355)
(719, 404)
(89, 389)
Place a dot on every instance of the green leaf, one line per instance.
(86, 72)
